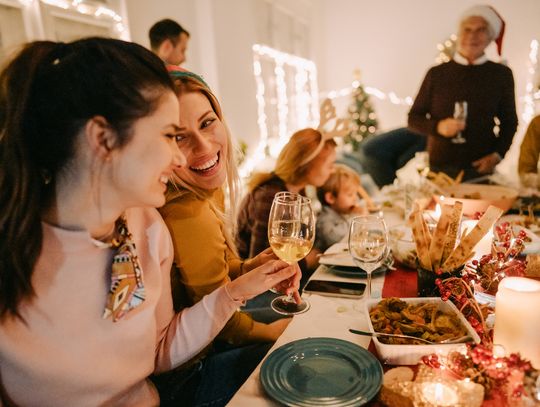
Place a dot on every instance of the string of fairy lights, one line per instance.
(305, 100)
(446, 50)
(532, 89)
(302, 112)
(85, 8)
(306, 97)
(309, 99)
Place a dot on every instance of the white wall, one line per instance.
(392, 42)
(142, 14)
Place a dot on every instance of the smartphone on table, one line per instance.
(335, 288)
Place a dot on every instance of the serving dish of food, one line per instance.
(477, 197)
(428, 318)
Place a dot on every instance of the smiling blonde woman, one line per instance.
(205, 255)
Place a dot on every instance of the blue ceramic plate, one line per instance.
(321, 372)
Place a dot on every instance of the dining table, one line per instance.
(332, 317)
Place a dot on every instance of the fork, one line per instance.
(385, 335)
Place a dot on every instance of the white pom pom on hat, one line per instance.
(491, 16)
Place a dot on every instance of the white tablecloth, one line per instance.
(327, 317)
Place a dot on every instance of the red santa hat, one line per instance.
(493, 18)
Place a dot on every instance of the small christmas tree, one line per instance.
(363, 117)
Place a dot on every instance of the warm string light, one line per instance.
(392, 97)
(87, 9)
(446, 49)
(304, 108)
(510, 375)
(259, 154)
(282, 107)
(531, 94)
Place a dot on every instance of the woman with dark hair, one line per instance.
(88, 134)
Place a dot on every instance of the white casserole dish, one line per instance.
(411, 354)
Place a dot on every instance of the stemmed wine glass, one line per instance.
(368, 241)
(421, 160)
(291, 233)
(460, 113)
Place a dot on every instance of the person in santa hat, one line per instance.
(478, 142)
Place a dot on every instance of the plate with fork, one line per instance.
(339, 261)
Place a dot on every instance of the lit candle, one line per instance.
(437, 213)
(517, 317)
(439, 394)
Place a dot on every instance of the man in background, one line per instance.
(168, 40)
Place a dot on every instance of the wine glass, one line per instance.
(291, 233)
(460, 113)
(421, 161)
(368, 243)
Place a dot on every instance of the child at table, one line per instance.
(340, 203)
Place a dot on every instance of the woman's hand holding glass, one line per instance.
(291, 233)
(291, 285)
(260, 259)
(272, 273)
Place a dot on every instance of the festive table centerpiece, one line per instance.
(440, 255)
(506, 376)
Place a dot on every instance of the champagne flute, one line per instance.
(460, 113)
(368, 242)
(291, 233)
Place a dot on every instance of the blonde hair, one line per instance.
(288, 165)
(335, 182)
(191, 84)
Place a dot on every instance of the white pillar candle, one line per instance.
(439, 394)
(517, 317)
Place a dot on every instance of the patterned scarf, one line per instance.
(127, 288)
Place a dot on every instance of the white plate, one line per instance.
(337, 255)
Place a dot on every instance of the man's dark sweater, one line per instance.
(488, 89)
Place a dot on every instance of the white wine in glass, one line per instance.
(291, 233)
(289, 249)
(460, 113)
(368, 242)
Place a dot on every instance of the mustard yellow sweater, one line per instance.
(203, 261)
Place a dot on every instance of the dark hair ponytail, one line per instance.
(47, 94)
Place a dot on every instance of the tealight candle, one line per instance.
(517, 317)
(439, 394)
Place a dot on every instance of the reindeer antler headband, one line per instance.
(341, 128)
